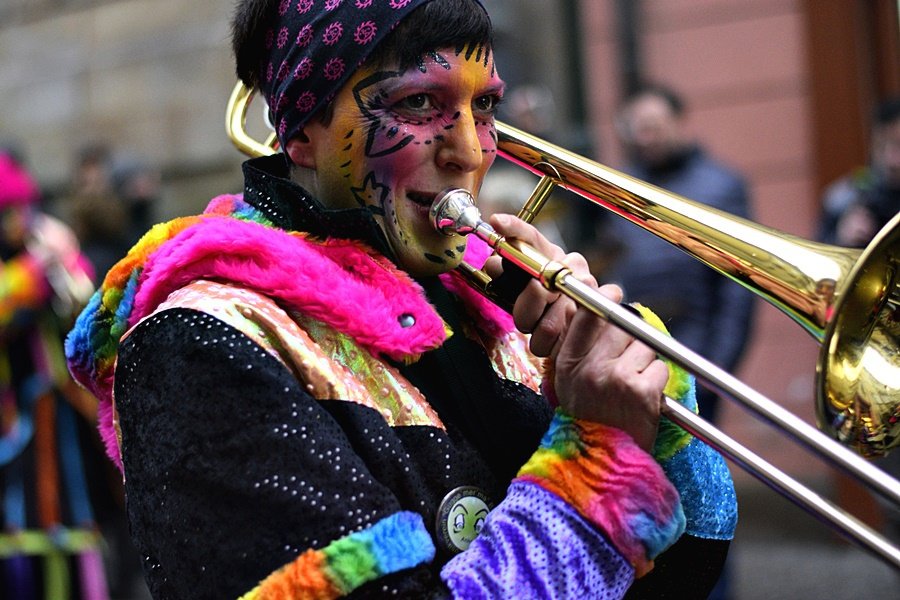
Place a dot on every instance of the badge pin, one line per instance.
(460, 517)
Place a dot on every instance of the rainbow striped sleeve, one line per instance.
(397, 542)
(612, 483)
(698, 472)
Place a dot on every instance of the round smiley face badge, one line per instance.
(460, 517)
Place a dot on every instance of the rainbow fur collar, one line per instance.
(340, 282)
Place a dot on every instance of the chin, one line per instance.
(430, 257)
(422, 268)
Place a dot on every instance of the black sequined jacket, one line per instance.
(251, 434)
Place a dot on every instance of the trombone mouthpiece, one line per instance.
(453, 212)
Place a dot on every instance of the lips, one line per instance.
(421, 198)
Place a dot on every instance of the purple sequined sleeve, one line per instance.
(586, 514)
(534, 545)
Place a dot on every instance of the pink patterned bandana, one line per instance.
(313, 48)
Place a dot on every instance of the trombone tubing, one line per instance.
(455, 212)
(530, 261)
(784, 484)
(237, 109)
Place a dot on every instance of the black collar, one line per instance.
(268, 187)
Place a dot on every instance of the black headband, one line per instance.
(314, 47)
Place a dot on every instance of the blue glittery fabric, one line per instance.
(703, 480)
(534, 545)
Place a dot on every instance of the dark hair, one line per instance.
(248, 29)
(886, 112)
(667, 94)
(436, 24)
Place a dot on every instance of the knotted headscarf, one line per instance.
(313, 48)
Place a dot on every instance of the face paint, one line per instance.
(396, 139)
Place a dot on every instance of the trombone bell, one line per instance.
(858, 373)
(845, 298)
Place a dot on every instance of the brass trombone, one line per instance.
(849, 300)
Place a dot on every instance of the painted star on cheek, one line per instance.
(371, 195)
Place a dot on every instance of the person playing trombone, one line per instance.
(308, 402)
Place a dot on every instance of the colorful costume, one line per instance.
(49, 454)
(297, 418)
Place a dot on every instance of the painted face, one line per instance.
(398, 138)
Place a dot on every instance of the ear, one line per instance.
(301, 150)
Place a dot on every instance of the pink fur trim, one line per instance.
(490, 317)
(337, 282)
(108, 432)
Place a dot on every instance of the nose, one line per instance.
(460, 148)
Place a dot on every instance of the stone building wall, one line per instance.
(149, 77)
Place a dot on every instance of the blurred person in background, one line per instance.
(50, 453)
(702, 309)
(99, 218)
(705, 311)
(858, 205)
(137, 186)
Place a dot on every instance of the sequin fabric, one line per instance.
(707, 493)
(698, 472)
(245, 445)
(593, 568)
(329, 362)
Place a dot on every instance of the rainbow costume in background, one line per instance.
(50, 546)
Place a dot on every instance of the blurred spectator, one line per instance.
(137, 186)
(92, 174)
(50, 453)
(530, 107)
(507, 187)
(702, 309)
(858, 205)
(96, 214)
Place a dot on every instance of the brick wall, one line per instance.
(742, 69)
